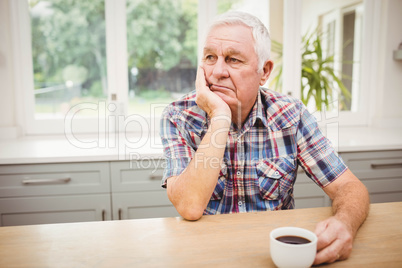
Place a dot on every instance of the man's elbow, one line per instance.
(189, 207)
(191, 213)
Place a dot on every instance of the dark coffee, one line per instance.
(291, 239)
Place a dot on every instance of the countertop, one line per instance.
(58, 149)
(226, 240)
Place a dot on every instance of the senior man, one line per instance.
(233, 146)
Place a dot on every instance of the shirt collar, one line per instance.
(261, 110)
(258, 112)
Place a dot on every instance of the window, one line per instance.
(69, 55)
(162, 53)
(334, 34)
(105, 65)
(108, 65)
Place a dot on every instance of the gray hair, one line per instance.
(262, 40)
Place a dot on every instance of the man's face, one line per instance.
(231, 67)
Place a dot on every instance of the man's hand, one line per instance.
(335, 240)
(207, 100)
(350, 204)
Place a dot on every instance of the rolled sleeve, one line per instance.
(316, 154)
(174, 167)
(178, 151)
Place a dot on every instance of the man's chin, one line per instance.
(232, 102)
(228, 99)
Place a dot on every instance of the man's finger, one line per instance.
(199, 77)
(326, 237)
(200, 82)
(330, 254)
(320, 228)
(326, 232)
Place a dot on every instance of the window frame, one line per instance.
(24, 81)
(337, 17)
(371, 30)
(372, 13)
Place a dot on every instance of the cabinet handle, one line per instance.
(103, 215)
(120, 214)
(155, 177)
(46, 181)
(386, 165)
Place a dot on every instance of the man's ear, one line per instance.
(266, 69)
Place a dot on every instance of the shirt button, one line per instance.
(240, 203)
(238, 173)
(276, 173)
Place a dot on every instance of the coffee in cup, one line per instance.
(293, 247)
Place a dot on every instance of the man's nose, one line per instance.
(220, 69)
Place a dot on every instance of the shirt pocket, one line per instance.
(221, 184)
(275, 177)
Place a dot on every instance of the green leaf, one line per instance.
(318, 76)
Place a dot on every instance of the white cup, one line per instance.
(291, 255)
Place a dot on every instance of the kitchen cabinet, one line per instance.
(54, 193)
(380, 171)
(115, 190)
(54, 209)
(137, 191)
(76, 192)
(307, 194)
(140, 205)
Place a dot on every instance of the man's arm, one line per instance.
(191, 191)
(350, 204)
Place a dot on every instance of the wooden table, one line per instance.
(237, 240)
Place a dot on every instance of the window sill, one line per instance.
(83, 148)
(87, 148)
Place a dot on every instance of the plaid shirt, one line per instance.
(260, 160)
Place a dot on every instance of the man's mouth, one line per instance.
(219, 88)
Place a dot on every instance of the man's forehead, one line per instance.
(227, 50)
(229, 35)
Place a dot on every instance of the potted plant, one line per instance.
(318, 77)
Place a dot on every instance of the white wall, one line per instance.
(391, 106)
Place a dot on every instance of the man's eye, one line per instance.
(209, 57)
(233, 60)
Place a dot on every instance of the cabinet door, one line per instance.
(380, 171)
(137, 191)
(137, 175)
(56, 209)
(54, 179)
(307, 194)
(139, 205)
